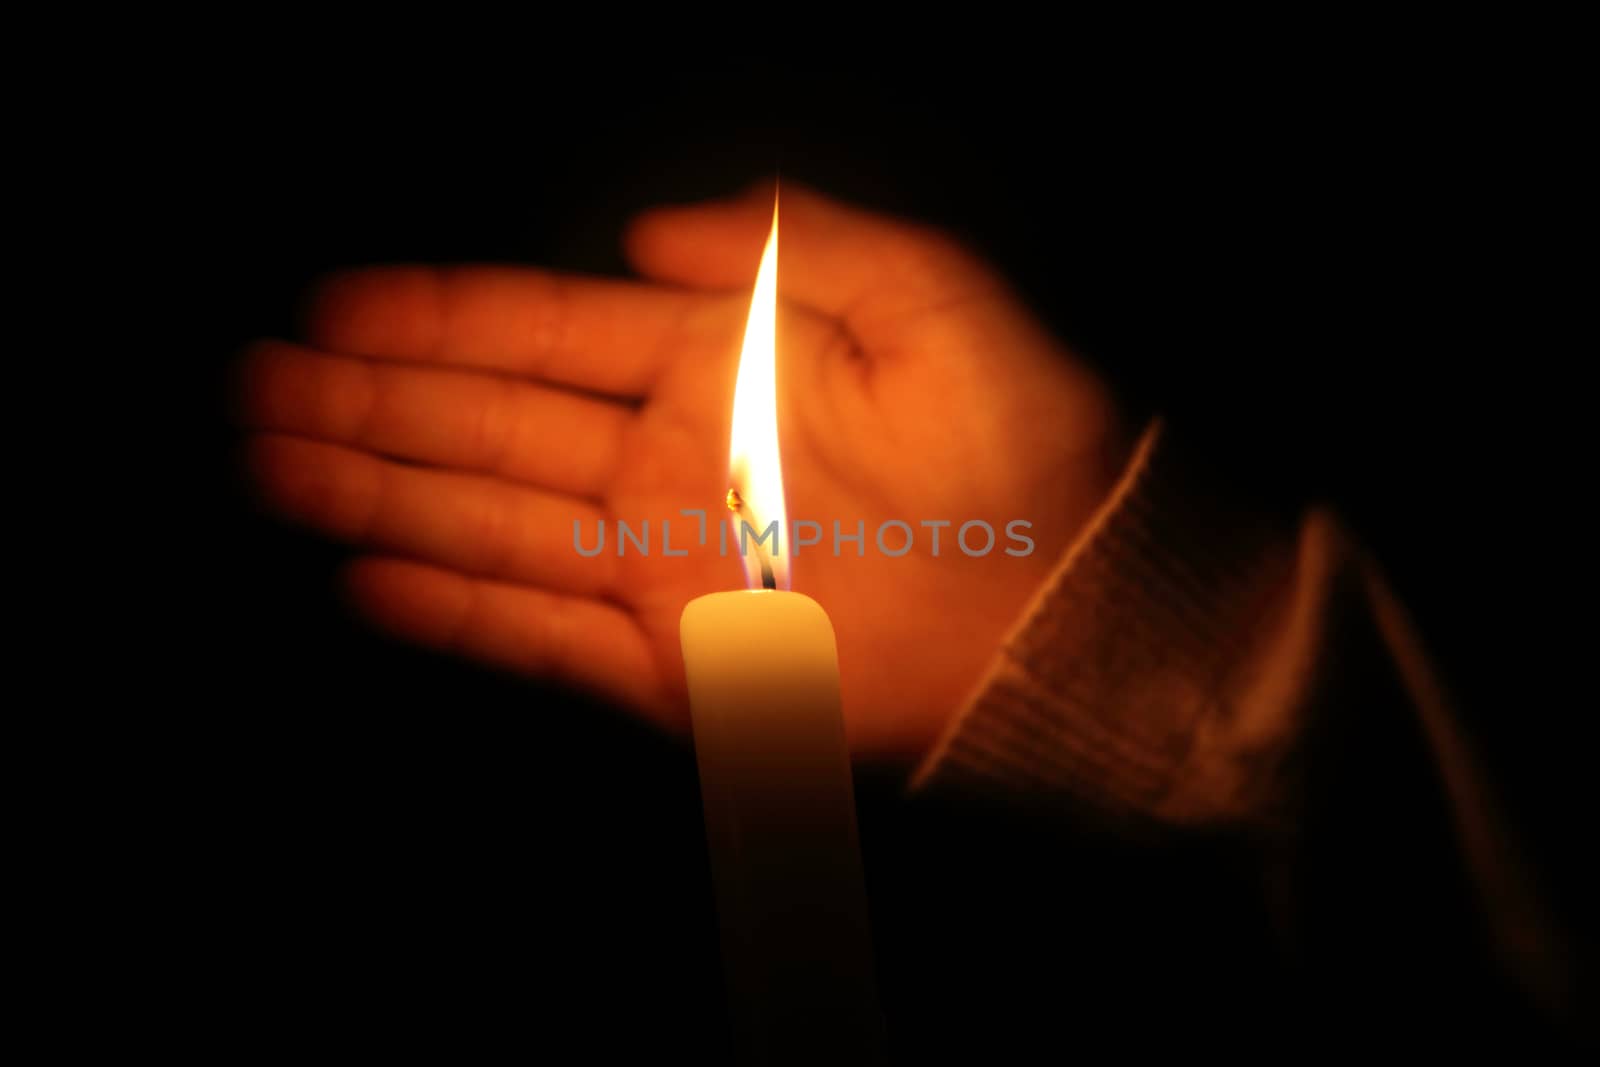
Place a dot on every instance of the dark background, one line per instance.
(1332, 277)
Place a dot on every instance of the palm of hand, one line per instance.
(913, 389)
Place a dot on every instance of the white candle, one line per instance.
(763, 679)
(781, 826)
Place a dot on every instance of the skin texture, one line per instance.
(451, 423)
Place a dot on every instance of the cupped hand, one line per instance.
(452, 423)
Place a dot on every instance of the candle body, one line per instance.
(763, 682)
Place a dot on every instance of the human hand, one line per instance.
(451, 423)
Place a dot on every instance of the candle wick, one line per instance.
(737, 505)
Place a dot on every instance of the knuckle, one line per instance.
(549, 654)
(609, 450)
(253, 387)
(494, 430)
(368, 491)
(552, 323)
(334, 302)
(493, 536)
(366, 398)
(459, 633)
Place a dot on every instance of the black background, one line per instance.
(1333, 276)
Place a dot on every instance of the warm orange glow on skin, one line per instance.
(493, 408)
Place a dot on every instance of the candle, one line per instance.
(763, 681)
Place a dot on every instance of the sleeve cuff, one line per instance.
(1104, 693)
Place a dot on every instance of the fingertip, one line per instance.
(261, 469)
(265, 391)
(399, 598)
(662, 228)
(260, 457)
(364, 587)
(323, 303)
(247, 376)
(368, 310)
(312, 484)
(706, 242)
(641, 237)
(277, 475)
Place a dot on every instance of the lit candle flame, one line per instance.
(755, 473)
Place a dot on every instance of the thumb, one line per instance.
(833, 257)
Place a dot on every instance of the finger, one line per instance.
(837, 259)
(482, 423)
(576, 641)
(465, 522)
(597, 334)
